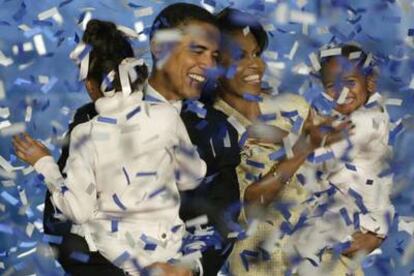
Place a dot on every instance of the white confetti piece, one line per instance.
(22, 196)
(368, 60)
(2, 90)
(355, 55)
(8, 183)
(236, 124)
(39, 44)
(5, 61)
(27, 46)
(315, 62)
(14, 129)
(144, 12)
(28, 115)
(127, 31)
(27, 253)
(302, 17)
(5, 124)
(27, 170)
(342, 97)
(86, 19)
(293, 50)
(5, 165)
(246, 31)
(282, 13)
(331, 52)
(393, 101)
(51, 13)
(271, 55)
(197, 221)
(4, 112)
(269, 27)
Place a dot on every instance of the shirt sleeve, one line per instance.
(189, 166)
(75, 195)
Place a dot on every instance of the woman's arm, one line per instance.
(266, 189)
(74, 196)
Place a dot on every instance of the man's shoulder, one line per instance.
(84, 113)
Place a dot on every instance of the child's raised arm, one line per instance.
(75, 195)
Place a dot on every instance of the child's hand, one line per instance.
(366, 242)
(325, 133)
(28, 149)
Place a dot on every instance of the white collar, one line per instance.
(153, 95)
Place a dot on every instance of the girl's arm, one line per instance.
(74, 196)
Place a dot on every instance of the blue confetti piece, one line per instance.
(126, 175)
(289, 114)
(210, 2)
(114, 225)
(121, 259)
(150, 98)
(297, 125)
(157, 192)
(243, 139)
(150, 246)
(267, 117)
(202, 124)
(64, 3)
(358, 200)
(64, 189)
(21, 12)
(79, 256)
(394, 132)
(255, 164)
(133, 112)
(252, 98)
(410, 32)
(4, 228)
(345, 216)
(47, 87)
(350, 167)
(323, 157)
(196, 108)
(118, 202)
(356, 221)
(9, 198)
(107, 120)
(175, 228)
(301, 178)
(140, 174)
(277, 155)
(52, 239)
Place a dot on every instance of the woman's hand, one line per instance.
(28, 149)
(367, 243)
(166, 269)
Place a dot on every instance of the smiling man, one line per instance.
(185, 47)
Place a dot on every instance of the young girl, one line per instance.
(351, 191)
(125, 166)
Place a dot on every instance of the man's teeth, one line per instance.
(252, 78)
(196, 77)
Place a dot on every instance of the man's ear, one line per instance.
(372, 83)
(93, 89)
(155, 49)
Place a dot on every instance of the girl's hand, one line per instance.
(28, 149)
(326, 132)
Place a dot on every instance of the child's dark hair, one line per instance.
(178, 14)
(230, 20)
(109, 48)
(346, 51)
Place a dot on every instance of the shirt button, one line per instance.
(163, 235)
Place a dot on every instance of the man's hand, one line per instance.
(28, 149)
(367, 242)
(166, 269)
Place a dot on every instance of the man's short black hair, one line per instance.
(230, 20)
(178, 14)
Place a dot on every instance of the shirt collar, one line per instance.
(153, 95)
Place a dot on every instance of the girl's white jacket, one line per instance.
(123, 174)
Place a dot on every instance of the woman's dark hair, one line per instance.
(230, 20)
(109, 48)
(178, 14)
